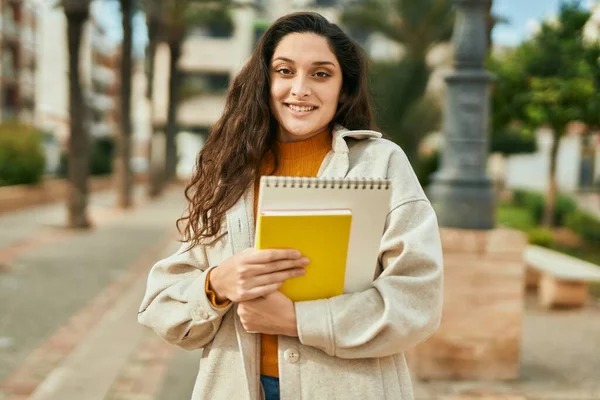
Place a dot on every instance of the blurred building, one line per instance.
(18, 27)
(104, 89)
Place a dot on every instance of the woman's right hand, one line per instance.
(253, 273)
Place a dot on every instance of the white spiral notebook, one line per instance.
(368, 200)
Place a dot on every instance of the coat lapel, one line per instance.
(240, 224)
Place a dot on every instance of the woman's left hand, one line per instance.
(273, 314)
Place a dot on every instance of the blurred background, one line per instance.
(104, 105)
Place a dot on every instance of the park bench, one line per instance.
(562, 280)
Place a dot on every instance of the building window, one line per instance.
(198, 84)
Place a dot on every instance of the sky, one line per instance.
(109, 15)
(523, 16)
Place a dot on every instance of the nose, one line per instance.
(300, 87)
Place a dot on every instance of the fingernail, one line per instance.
(305, 260)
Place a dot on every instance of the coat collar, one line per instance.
(240, 218)
(337, 162)
(339, 134)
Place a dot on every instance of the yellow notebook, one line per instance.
(320, 235)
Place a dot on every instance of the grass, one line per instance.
(515, 217)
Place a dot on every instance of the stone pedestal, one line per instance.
(480, 332)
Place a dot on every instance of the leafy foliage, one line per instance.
(586, 225)
(535, 203)
(552, 79)
(398, 88)
(401, 109)
(102, 153)
(416, 25)
(509, 133)
(540, 236)
(22, 158)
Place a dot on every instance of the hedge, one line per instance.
(585, 225)
(101, 157)
(22, 159)
(536, 203)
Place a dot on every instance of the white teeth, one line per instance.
(300, 109)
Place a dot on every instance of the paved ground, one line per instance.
(560, 359)
(68, 329)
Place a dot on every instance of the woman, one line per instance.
(300, 107)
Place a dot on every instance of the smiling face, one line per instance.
(306, 81)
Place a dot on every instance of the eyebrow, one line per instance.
(314, 63)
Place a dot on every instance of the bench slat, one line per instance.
(561, 265)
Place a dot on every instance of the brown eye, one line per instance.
(322, 74)
(284, 71)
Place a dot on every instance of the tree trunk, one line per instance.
(124, 173)
(155, 180)
(171, 128)
(153, 28)
(79, 140)
(552, 190)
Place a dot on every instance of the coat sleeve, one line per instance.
(404, 305)
(175, 304)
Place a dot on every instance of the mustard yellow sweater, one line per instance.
(303, 158)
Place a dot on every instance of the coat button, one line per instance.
(291, 356)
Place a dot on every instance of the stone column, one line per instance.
(480, 333)
(461, 192)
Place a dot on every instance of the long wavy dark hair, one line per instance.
(229, 161)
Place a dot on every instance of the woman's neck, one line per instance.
(314, 144)
(288, 138)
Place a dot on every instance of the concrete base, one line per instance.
(480, 332)
(554, 292)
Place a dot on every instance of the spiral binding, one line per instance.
(326, 183)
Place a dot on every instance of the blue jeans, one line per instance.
(270, 386)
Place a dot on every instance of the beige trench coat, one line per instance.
(350, 346)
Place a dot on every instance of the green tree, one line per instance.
(175, 18)
(417, 27)
(509, 133)
(555, 78)
(77, 13)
